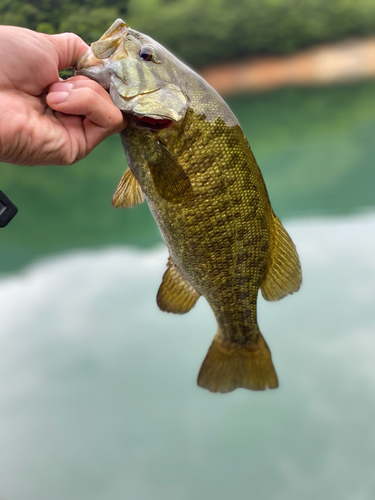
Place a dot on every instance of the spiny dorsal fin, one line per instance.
(170, 179)
(175, 295)
(284, 275)
(128, 193)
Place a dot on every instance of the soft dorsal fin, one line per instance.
(175, 295)
(170, 179)
(284, 275)
(128, 193)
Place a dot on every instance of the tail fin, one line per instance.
(229, 366)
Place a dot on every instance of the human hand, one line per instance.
(44, 121)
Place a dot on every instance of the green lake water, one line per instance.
(314, 147)
(98, 395)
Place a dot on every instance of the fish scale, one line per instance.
(190, 160)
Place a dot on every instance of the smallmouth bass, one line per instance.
(189, 159)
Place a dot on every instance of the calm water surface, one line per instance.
(97, 386)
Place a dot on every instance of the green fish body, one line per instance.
(190, 160)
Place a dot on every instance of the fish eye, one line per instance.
(147, 53)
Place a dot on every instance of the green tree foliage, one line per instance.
(87, 18)
(203, 32)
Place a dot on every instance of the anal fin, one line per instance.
(128, 193)
(284, 275)
(175, 295)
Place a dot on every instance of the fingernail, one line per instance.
(57, 97)
(61, 87)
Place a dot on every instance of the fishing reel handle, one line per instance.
(7, 210)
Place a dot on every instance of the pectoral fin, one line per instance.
(128, 193)
(284, 275)
(175, 295)
(170, 179)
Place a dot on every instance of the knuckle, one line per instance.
(70, 36)
(73, 155)
(88, 94)
(92, 94)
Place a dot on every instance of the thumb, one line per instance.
(69, 48)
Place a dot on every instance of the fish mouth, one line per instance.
(90, 66)
(151, 123)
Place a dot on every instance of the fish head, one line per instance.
(141, 76)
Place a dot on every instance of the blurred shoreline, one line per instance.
(347, 61)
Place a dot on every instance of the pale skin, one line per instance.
(43, 120)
